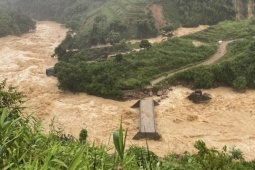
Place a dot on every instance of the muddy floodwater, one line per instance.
(229, 119)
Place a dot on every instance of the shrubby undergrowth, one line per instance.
(110, 21)
(108, 78)
(237, 70)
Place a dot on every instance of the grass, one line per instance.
(236, 69)
(228, 30)
(120, 10)
(136, 70)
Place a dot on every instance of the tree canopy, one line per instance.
(12, 23)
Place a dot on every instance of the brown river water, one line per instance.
(229, 119)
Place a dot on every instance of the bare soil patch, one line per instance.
(177, 33)
(250, 9)
(185, 31)
(157, 13)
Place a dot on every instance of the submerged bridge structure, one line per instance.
(147, 125)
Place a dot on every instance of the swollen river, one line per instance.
(229, 119)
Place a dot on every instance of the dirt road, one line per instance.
(227, 120)
(221, 51)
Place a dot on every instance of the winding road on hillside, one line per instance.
(221, 51)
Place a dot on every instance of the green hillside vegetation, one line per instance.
(191, 13)
(95, 22)
(228, 30)
(114, 21)
(14, 24)
(110, 77)
(237, 70)
(110, 21)
(23, 145)
(99, 22)
(117, 20)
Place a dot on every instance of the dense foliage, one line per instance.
(110, 77)
(114, 23)
(24, 146)
(191, 13)
(238, 69)
(208, 12)
(95, 22)
(14, 24)
(110, 21)
(228, 30)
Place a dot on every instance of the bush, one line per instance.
(83, 136)
(144, 158)
(145, 44)
(240, 83)
(203, 78)
(236, 153)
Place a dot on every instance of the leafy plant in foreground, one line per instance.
(119, 143)
(24, 146)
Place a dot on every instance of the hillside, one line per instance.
(111, 77)
(110, 21)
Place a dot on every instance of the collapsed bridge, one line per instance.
(147, 125)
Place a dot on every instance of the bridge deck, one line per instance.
(147, 116)
(147, 127)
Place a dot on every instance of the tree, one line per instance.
(119, 57)
(203, 77)
(83, 136)
(11, 99)
(15, 24)
(114, 37)
(145, 44)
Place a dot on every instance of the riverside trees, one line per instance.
(14, 24)
(109, 77)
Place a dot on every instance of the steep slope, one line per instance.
(244, 8)
(109, 21)
(239, 6)
(250, 9)
(158, 15)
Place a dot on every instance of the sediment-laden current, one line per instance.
(229, 119)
